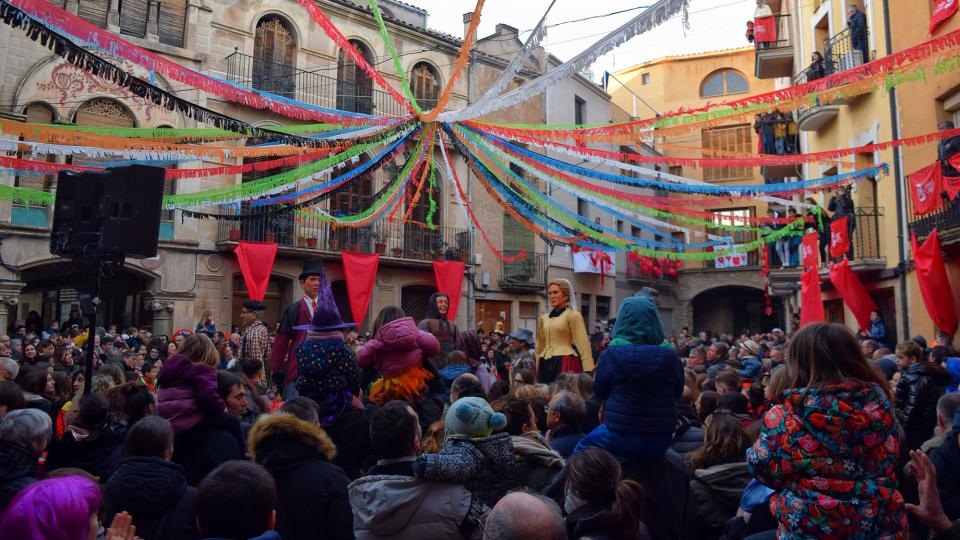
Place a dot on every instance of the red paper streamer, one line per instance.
(934, 285)
(942, 11)
(360, 271)
(854, 295)
(256, 263)
(449, 276)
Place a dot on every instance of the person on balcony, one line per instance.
(763, 10)
(857, 22)
(841, 204)
(947, 148)
(817, 68)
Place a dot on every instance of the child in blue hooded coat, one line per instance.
(639, 381)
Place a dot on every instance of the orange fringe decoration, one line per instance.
(408, 386)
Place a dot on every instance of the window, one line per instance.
(425, 84)
(516, 237)
(676, 170)
(603, 308)
(620, 226)
(274, 56)
(583, 207)
(736, 217)
(645, 79)
(585, 307)
(579, 111)
(727, 139)
(37, 113)
(354, 86)
(723, 82)
(625, 172)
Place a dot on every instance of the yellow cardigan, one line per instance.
(557, 336)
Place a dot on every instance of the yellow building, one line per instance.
(708, 298)
(883, 219)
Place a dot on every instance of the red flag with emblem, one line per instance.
(925, 187)
(765, 29)
(839, 237)
(809, 250)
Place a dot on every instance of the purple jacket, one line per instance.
(188, 393)
(397, 347)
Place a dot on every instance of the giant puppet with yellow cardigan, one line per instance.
(562, 342)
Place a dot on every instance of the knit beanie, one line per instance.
(472, 417)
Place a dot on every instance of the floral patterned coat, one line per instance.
(830, 454)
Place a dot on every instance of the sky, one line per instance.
(714, 25)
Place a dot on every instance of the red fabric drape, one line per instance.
(942, 10)
(360, 271)
(934, 285)
(256, 262)
(925, 187)
(811, 301)
(809, 250)
(449, 276)
(952, 184)
(855, 296)
(765, 29)
(839, 237)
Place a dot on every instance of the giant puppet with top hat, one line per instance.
(283, 359)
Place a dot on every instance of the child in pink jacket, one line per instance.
(188, 384)
(397, 352)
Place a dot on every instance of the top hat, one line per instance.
(311, 267)
(326, 316)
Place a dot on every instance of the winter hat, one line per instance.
(93, 412)
(638, 322)
(522, 334)
(751, 347)
(472, 417)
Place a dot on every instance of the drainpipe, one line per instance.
(471, 299)
(898, 176)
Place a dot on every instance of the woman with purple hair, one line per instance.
(57, 509)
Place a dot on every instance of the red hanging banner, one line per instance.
(811, 300)
(839, 237)
(256, 263)
(809, 250)
(942, 10)
(449, 276)
(951, 184)
(854, 295)
(925, 187)
(765, 29)
(360, 272)
(934, 285)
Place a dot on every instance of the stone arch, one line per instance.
(732, 309)
(298, 33)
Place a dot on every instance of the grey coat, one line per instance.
(403, 507)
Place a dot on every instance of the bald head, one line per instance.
(466, 385)
(525, 516)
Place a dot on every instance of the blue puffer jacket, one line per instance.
(751, 368)
(640, 385)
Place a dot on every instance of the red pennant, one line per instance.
(811, 300)
(951, 184)
(810, 250)
(256, 263)
(934, 285)
(942, 10)
(449, 276)
(855, 296)
(360, 271)
(925, 187)
(839, 237)
(765, 29)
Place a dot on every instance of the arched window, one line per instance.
(723, 82)
(425, 84)
(274, 56)
(36, 113)
(354, 86)
(101, 112)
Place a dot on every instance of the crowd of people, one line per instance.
(428, 430)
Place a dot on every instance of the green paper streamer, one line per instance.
(433, 201)
(396, 59)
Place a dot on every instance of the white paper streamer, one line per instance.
(644, 22)
(505, 78)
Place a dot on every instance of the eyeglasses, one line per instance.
(546, 409)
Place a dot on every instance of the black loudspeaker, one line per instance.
(113, 213)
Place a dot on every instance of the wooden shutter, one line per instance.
(425, 86)
(727, 140)
(94, 11)
(173, 18)
(133, 18)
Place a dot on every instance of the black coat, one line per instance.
(18, 469)
(312, 499)
(946, 458)
(665, 481)
(948, 148)
(593, 521)
(564, 440)
(100, 454)
(214, 440)
(714, 498)
(351, 436)
(920, 386)
(155, 493)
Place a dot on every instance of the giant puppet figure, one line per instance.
(283, 359)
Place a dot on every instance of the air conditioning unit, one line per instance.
(476, 259)
(485, 279)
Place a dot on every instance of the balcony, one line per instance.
(311, 86)
(306, 236)
(775, 58)
(946, 221)
(526, 275)
(636, 275)
(843, 51)
(779, 137)
(866, 254)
